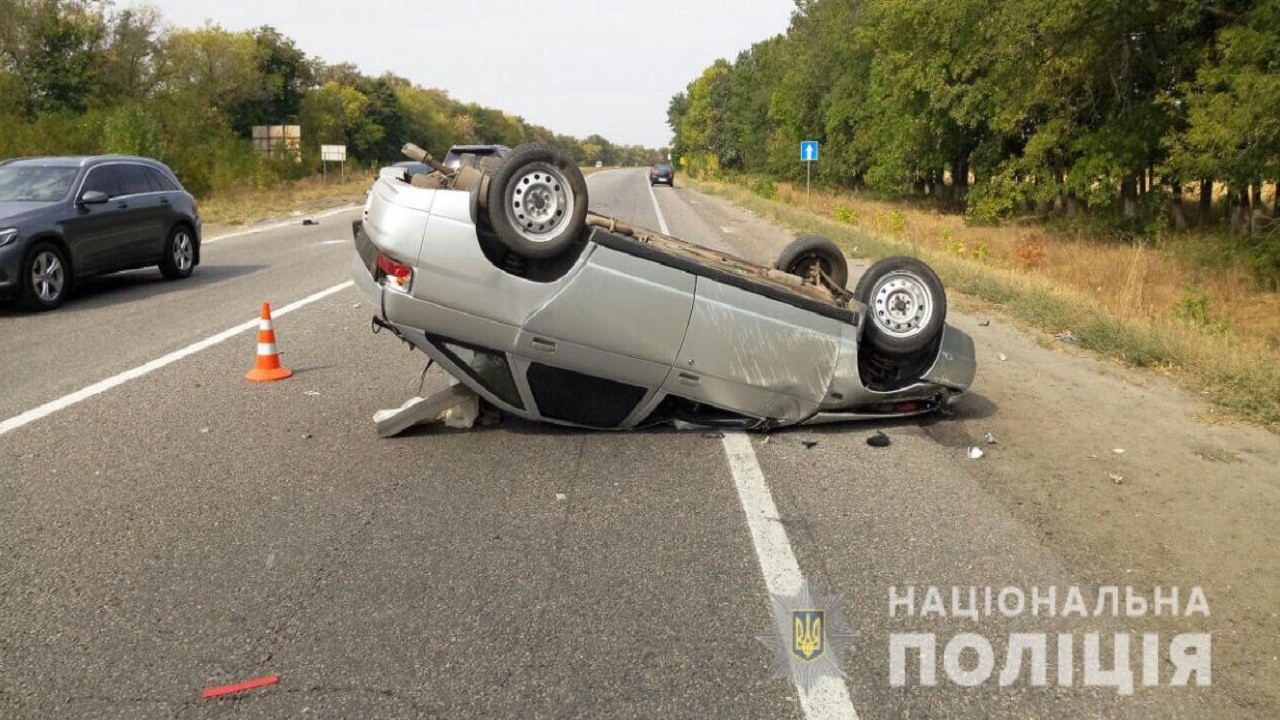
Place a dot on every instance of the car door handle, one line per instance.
(543, 344)
(164, 201)
(689, 379)
(122, 205)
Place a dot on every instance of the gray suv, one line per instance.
(66, 218)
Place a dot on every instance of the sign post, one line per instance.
(333, 153)
(808, 155)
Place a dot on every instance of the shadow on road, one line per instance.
(133, 285)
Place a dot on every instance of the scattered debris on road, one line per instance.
(355, 306)
(418, 410)
(975, 452)
(990, 439)
(714, 435)
(254, 684)
(1067, 338)
(306, 436)
(1117, 479)
(310, 221)
(879, 440)
(561, 497)
(984, 322)
(312, 393)
(1002, 357)
(809, 444)
(1118, 451)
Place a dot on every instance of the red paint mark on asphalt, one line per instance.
(221, 690)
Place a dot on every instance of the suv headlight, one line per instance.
(8, 235)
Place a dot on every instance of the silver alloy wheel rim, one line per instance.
(47, 276)
(183, 251)
(540, 204)
(901, 304)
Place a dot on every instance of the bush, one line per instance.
(846, 214)
(765, 188)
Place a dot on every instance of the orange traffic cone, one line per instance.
(268, 366)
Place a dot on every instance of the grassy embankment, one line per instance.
(1141, 304)
(248, 204)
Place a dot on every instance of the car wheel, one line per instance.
(905, 303)
(538, 202)
(179, 254)
(807, 251)
(46, 278)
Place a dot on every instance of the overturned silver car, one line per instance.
(498, 272)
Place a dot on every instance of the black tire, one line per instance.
(799, 257)
(54, 290)
(179, 257)
(906, 306)
(538, 202)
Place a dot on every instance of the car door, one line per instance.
(146, 209)
(748, 353)
(96, 232)
(607, 340)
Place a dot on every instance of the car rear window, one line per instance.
(161, 181)
(35, 183)
(134, 179)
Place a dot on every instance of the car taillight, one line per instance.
(398, 276)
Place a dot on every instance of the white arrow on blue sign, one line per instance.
(809, 150)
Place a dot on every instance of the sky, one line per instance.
(575, 66)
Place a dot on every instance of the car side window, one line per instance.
(161, 181)
(134, 179)
(102, 179)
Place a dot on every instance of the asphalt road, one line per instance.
(184, 528)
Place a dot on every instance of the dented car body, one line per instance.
(627, 328)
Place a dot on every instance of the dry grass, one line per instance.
(243, 205)
(1131, 302)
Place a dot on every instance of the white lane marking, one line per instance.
(662, 222)
(102, 386)
(829, 698)
(277, 226)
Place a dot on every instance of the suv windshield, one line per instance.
(35, 183)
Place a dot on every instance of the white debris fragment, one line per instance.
(984, 322)
(561, 497)
(990, 439)
(312, 393)
(1117, 479)
(1002, 356)
(463, 415)
(355, 305)
(1118, 451)
(975, 453)
(204, 430)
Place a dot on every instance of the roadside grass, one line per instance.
(248, 204)
(1133, 304)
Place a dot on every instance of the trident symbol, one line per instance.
(808, 634)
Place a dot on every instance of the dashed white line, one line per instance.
(828, 699)
(102, 386)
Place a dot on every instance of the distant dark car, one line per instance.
(66, 218)
(458, 155)
(662, 173)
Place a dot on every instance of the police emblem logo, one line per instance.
(808, 634)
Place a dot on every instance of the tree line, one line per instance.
(1114, 110)
(86, 77)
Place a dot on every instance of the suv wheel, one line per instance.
(179, 254)
(46, 278)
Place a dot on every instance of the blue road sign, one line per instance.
(809, 150)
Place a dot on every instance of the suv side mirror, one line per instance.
(94, 197)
